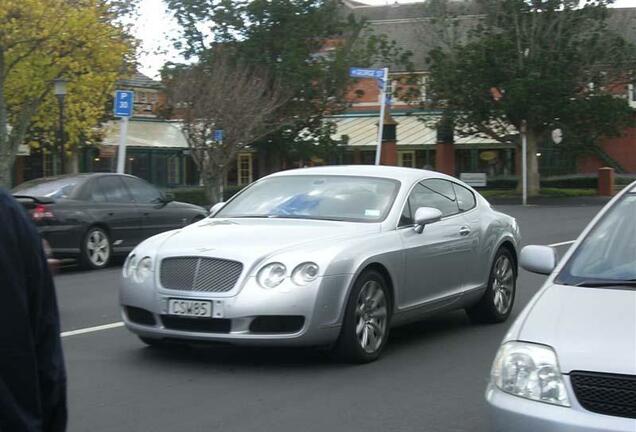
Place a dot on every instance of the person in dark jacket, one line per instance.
(32, 373)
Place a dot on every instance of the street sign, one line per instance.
(218, 135)
(356, 72)
(124, 102)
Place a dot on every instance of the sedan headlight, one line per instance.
(305, 273)
(271, 275)
(530, 371)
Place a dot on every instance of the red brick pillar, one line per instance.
(606, 181)
(388, 156)
(445, 158)
(389, 153)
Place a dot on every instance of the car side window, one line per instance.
(465, 198)
(114, 189)
(141, 191)
(406, 218)
(97, 193)
(434, 193)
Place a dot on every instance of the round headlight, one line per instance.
(129, 265)
(271, 275)
(143, 269)
(305, 273)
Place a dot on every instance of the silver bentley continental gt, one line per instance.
(328, 256)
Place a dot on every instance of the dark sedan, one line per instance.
(92, 217)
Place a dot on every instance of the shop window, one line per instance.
(406, 159)
(174, 170)
(244, 168)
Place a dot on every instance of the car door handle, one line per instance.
(464, 231)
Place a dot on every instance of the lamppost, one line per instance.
(60, 93)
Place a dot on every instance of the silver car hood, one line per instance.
(249, 240)
(591, 329)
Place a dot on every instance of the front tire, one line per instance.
(96, 249)
(497, 302)
(366, 324)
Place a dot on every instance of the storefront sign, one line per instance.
(474, 179)
(488, 155)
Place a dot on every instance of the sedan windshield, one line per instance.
(51, 188)
(607, 256)
(345, 198)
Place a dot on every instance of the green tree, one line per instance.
(545, 64)
(41, 40)
(307, 45)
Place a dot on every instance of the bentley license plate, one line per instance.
(190, 308)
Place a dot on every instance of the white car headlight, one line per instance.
(271, 275)
(129, 266)
(530, 371)
(305, 273)
(142, 270)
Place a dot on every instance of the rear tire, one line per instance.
(365, 328)
(497, 302)
(96, 249)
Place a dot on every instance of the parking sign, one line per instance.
(124, 101)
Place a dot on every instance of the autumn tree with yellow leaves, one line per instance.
(40, 40)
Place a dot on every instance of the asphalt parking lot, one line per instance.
(431, 377)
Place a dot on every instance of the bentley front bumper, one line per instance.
(286, 315)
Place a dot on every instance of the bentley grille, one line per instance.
(199, 274)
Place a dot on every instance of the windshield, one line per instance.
(608, 253)
(345, 198)
(57, 188)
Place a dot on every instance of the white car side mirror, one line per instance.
(538, 259)
(216, 207)
(425, 216)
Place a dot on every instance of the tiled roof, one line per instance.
(413, 29)
(139, 80)
(145, 133)
(362, 131)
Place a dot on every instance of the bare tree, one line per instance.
(228, 95)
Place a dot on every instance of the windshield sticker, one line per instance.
(372, 212)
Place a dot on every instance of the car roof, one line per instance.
(381, 171)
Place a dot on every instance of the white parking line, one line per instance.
(562, 243)
(92, 329)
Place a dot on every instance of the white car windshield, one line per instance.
(345, 198)
(607, 255)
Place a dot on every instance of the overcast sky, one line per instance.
(155, 28)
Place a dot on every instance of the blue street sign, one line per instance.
(218, 135)
(124, 102)
(355, 72)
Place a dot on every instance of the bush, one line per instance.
(576, 181)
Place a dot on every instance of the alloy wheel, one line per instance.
(503, 284)
(98, 248)
(371, 316)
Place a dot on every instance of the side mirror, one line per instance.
(168, 197)
(425, 216)
(216, 207)
(538, 259)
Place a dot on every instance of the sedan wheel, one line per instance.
(96, 249)
(496, 303)
(365, 328)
